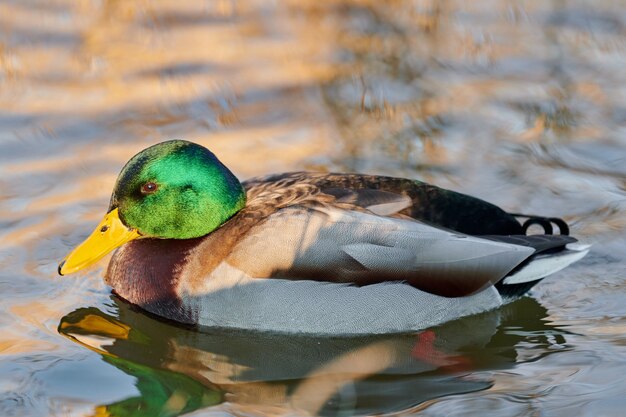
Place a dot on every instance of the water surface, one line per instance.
(520, 103)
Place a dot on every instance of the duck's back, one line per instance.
(388, 196)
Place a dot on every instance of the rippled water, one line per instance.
(520, 103)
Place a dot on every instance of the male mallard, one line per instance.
(309, 252)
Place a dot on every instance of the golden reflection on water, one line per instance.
(520, 103)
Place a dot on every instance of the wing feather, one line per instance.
(329, 244)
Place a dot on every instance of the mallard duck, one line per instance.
(309, 252)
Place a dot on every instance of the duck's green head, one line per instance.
(172, 190)
(176, 190)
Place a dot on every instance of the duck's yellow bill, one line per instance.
(109, 234)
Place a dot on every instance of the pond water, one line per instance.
(520, 103)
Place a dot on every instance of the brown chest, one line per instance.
(146, 273)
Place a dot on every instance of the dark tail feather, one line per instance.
(545, 222)
(515, 290)
(552, 253)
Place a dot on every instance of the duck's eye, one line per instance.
(149, 188)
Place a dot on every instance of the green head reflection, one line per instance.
(162, 392)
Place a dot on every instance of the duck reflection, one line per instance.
(180, 370)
